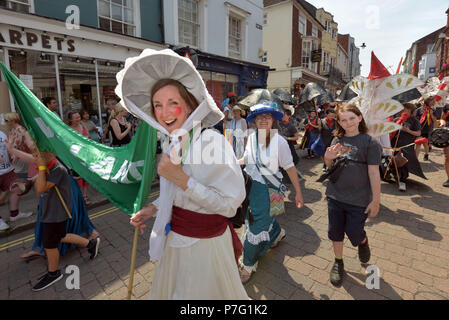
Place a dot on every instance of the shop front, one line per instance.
(222, 75)
(76, 67)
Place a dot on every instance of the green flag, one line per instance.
(122, 174)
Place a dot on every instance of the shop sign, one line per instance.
(316, 55)
(27, 80)
(39, 41)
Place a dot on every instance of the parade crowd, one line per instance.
(193, 239)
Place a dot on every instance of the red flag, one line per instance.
(378, 70)
(399, 66)
(187, 55)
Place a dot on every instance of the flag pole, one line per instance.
(133, 261)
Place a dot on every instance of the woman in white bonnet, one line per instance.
(192, 240)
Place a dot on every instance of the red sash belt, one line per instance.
(203, 226)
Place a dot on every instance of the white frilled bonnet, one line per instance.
(139, 75)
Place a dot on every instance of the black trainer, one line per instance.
(93, 246)
(47, 280)
(337, 273)
(426, 157)
(364, 252)
(446, 184)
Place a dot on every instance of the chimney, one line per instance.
(447, 12)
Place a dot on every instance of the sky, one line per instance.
(386, 27)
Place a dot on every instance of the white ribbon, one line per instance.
(163, 217)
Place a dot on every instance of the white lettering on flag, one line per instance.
(103, 168)
(46, 130)
(75, 149)
(133, 169)
(122, 173)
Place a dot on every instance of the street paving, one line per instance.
(409, 241)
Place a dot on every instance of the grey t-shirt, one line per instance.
(52, 209)
(353, 185)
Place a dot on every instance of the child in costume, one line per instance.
(426, 118)
(312, 127)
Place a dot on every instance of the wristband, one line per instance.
(42, 168)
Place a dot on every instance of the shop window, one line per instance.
(37, 72)
(17, 5)
(235, 37)
(219, 84)
(188, 22)
(117, 16)
(79, 86)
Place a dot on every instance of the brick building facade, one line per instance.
(291, 35)
(442, 49)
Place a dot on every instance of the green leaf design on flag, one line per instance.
(122, 174)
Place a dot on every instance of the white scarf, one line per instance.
(168, 189)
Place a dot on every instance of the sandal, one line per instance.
(86, 200)
(31, 255)
(279, 238)
(245, 277)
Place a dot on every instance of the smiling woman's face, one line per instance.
(170, 109)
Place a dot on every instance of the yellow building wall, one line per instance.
(277, 42)
(327, 43)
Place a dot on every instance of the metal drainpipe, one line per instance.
(161, 4)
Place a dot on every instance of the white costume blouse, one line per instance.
(238, 132)
(277, 155)
(216, 184)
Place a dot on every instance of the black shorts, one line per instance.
(53, 233)
(346, 218)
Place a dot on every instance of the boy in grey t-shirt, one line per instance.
(353, 192)
(53, 186)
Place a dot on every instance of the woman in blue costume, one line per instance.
(80, 223)
(265, 152)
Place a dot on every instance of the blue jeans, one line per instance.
(346, 218)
